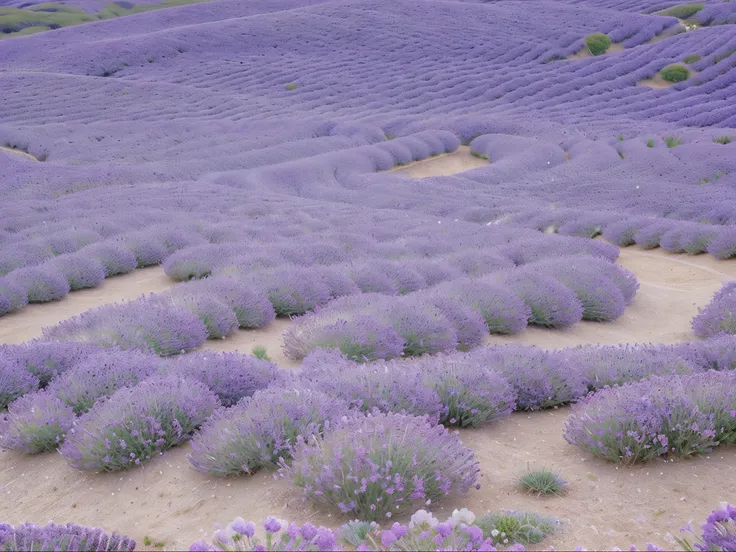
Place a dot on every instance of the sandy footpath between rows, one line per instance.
(458, 161)
(606, 507)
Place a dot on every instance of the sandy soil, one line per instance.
(14, 151)
(443, 165)
(167, 501)
(27, 323)
(585, 53)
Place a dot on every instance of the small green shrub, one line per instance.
(691, 59)
(722, 140)
(291, 86)
(542, 482)
(683, 11)
(675, 73)
(518, 527)
(597, 43)
(650, 143)
(259, 351)
(620, 137)
(672, 142)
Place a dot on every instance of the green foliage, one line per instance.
(672, 141)
(675, 72)
(597, 43)
(620, 137)
(650, 143)
(259, 351)
(555, 58)
(691, 58)
(290, 86)
(542, 482)
(518, 527)
(43, 17)
(722, 140)
(683, 11)
(479, 155)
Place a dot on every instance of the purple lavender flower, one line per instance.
(151, 417)
(260, 429)
(353, 462)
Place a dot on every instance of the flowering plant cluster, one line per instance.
(262, 430)
(64, 538)
(378, 465)
(719, 316)
(135, 423)
(672, 415)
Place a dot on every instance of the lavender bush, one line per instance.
(718, 532)
(218, 318)
(540, 379)
(13, 296)
(676, 415)
(144, 324)
(114, 258)
(262, 430)
(48, 360)
(600, 296)
(251, 307)
(361, 338)
(718, 316)
(64, 538)
(470, 393)
(240, 535)
(469, 325)
(36, 422)
(611, 365)
(15, 379)
(377, 386)
(723, 245)
(135, 423)
(80, 272)
(552, 304)
(231, 376)
(292, 290)
(501, 309)
(353, 468)
(41, 285)
(100, 375)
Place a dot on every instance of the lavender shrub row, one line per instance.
(64, 538)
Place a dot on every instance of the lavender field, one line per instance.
(330, 275)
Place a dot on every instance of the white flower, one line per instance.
(423, 516)
(463, 516)
(494, 533)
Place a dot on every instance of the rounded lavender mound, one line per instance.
(376, 466)
(261, 430)
(718, 316)
(36, 422)
(138, 422)
(41, 284)
(671, 415)
(231, 376)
